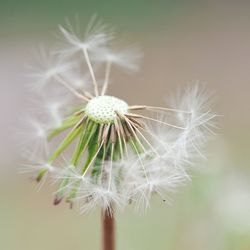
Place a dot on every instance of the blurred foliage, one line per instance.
(34, 16)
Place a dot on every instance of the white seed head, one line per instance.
(124, 154)
(102, 109)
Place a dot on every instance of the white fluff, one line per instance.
(170, 140)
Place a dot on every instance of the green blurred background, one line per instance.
(183, 41)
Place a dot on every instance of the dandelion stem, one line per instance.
(108, 230)
(91, 71)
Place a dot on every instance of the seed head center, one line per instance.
(102, 109)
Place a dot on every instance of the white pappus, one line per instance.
(121, 154)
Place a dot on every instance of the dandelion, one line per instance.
(120, 154)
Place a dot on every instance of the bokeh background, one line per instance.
(183, 41)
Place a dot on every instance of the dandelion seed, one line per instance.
(120, 156)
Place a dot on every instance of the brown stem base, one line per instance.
(108, 230)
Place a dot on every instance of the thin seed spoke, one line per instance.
(112, 136)
(107, 74)
(137, 107)
(125, 146)
(119, 137)
(72, 90)
(91, 71)
(111, 166)
(137, 123)
(103, 160)
(143, 137)
(67, 141)
(77, 113)
(198, 151)
(92, 160)
(82, 145)
(141, 107)
(123, 136)
(133, 132)
(205, 120)
(155, 120)
(100, 132)
(64, 187)
(140, 160)
(147, 130)
(105, 133)
(88, 95)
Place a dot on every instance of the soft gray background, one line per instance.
(183, 41)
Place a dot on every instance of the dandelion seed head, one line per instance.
(102, 109)
(119, 154)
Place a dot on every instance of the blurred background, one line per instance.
(183, 41)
